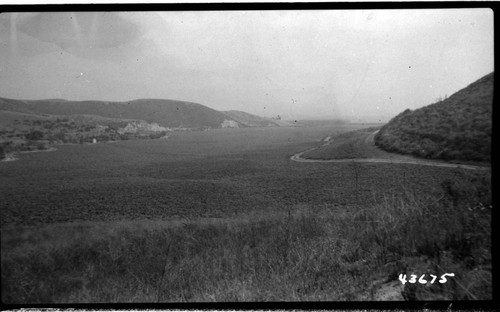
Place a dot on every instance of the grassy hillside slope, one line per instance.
(167, 113)
(457, 128)
(250, 119)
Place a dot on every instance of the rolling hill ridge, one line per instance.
(250, 120)
(456, 128)
(167, 113)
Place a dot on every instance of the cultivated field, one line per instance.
(225, 215)
(192, 174)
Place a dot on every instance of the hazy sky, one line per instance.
(363, 64)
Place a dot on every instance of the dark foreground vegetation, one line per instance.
(226, 216)
(300, 254)
(457, 128)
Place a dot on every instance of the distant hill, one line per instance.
(250, 120)
(167, 113)
(24, 131)
(7, 118)
(456, 128)
(10, 118)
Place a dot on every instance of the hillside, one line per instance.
(457, 128)
(167, 113)
(250, 120)
(28, 132)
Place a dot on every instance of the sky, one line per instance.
(359, 65)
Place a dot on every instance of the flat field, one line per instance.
(192, 174)
(225, 215)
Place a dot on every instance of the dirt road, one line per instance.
(370, 141)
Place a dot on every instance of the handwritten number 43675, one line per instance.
(421, 280)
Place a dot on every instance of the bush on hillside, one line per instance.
(5, 148)
(34, 135)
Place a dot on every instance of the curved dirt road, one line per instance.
(370, 140)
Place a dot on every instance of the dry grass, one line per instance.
(296, 255)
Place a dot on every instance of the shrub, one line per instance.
(42, 146)
(34, 135)
(157, 135)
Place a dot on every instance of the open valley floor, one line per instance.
(226, 215)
